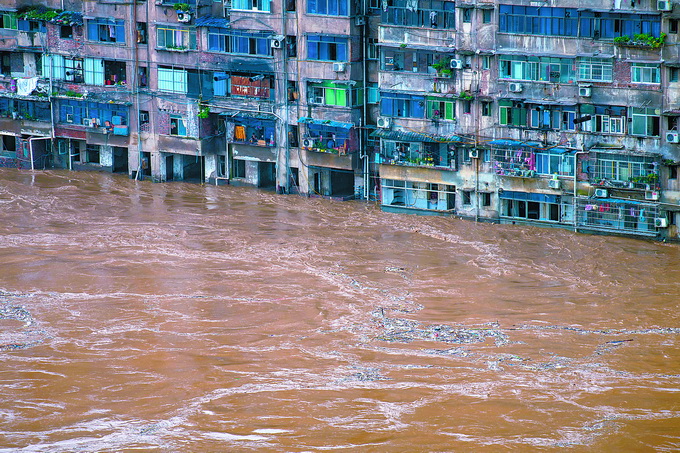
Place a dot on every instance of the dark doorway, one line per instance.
(342, 183)
(120, 160)
(194, 168)
(169, 168)
(266, 174)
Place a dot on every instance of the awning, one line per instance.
(505, 142)
(211, 21)
(671, 113)
(328, 123)
(410, 136)
(259, 116)
(527, 196)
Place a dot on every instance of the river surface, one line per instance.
(185, 318)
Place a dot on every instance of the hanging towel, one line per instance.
(240, 133)
(26, 85)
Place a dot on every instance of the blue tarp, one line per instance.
(327, 123)
(211, 21)
(527, 196)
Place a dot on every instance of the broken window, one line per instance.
(66, 32)
(466, 196)
(142, 36)
(239, 168)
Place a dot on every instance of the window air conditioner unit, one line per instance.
(554, 183)
(69, 117)
(652, 195)
(384, 122)
(183, 17)
(456, 64)
(359, 21)
(339, 67)
(601, 193)
(584, 92)
(515, 87)
(661, 222)
(672, 137)
(307, 143)
(474, 154)
(664, 5)
(277, 42)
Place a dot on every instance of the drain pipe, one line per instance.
(576, 154)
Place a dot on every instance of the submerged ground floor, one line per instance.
(464, 186)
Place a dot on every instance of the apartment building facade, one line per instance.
(560, 113)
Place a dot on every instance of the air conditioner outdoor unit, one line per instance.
(601, 193)
(584, 92)
(515, 87)
(69, 117)
(456, 64)
(307, 143)
(339, 67)
(277, 42)
(664, 5)
(359, 21)
(661, 222)
(672, 137)
(384, 122)
(88, 122)
(652, 195)
(183, 17)
(554, 183)
(474, 154)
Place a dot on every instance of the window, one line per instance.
(466, 106)
(328, 137)
(645, 73)
(8, 20)
(239, 168)
(487, 155)
(73, 70)
(555, 162)
(254, 131)
(252, 5)
(553, 117)
(441, 109)
(486, 61)
(143, 76)
(402, 105)
(291, 46)
(673, 26)
(329, 93)
(175, 38)
(485, 199)
(486, 108)
(595, 69)
(532, 20)
(466, 196)
(429, 14)
(373, 49)
(410, 60)
(601, 24)
(144, 117)
(142, 35)
(172, 80)
(673, 74)
(373, 94)
(106, 30)
(239, 42)
(66, 32)
(467, 15)
(328, 7)
(620, 167)
(177, 126)
(546, 69)
(512, 113)
(486, 16)
(646, 121)
(31, 25)
(673, 172)
(72, 111)
(327, 48)
(606, 119)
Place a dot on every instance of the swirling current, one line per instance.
(187, 318)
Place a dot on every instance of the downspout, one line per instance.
(576, 154)
(284, 93)
(363, 154)
(135, 81)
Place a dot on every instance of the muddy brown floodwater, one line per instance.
(186, 318)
